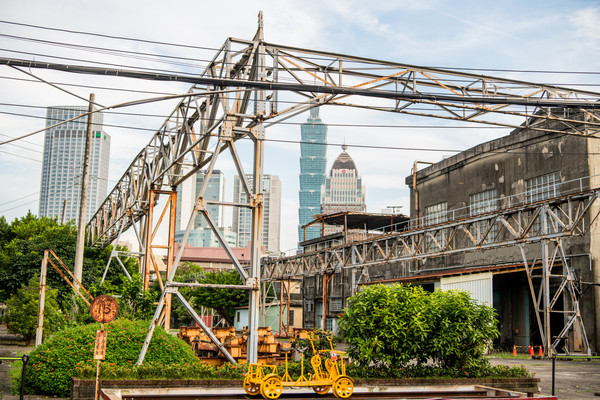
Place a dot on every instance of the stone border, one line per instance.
(83, 389)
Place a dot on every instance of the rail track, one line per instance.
(430, 393)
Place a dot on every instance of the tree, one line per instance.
(223, 301)
(22, 245)
(23, 309)
(393, 326)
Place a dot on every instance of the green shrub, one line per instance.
(71, 351)
(156, 370)
(481, 368)
(391, 327)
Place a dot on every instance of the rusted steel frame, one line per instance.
(149, 221)
(211, 285)
(155, 266)
(529, 271)
(69, 282)
(170, 253)
(456, 117)
(206, 330)
(69, 272)
(416, 235)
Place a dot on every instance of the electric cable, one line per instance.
(187, 46)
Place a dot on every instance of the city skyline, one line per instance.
(384, 145)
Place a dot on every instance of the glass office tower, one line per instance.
(313, 160)
(62, 167)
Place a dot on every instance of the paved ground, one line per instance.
(574, 380)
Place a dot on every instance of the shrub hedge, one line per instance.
(399, 326)
(71, 351)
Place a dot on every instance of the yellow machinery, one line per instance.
(264, 379)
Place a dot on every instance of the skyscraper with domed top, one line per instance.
(343, 189)
(313, 162)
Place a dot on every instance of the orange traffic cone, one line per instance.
(530, 351)
(514, 351)
(541, 352)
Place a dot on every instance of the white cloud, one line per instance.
(530, 35)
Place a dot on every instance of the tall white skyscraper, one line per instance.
(242, 217)
(62, 165)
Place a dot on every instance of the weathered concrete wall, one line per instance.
(505, 165)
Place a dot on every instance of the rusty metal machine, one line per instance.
(236, 344)
(329, 373)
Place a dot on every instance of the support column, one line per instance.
(257, 208)
(170, 253)
(43, 273)
(546, 269)
(148, 239)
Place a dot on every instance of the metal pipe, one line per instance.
(23, 374)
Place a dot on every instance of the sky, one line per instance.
(514, 39)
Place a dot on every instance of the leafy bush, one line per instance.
(156, 370)
(71, 351)
(397, 326)
(23, 309)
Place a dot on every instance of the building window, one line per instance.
(309, 305)
(291, 317)
(543, 187)
(336, 305)
(435, 214)
(482, 203)
(329, 324)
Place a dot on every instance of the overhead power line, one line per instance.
(189, 46)
(265, 85)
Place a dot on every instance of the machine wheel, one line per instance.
(271, 387)
(322, 390)
(343, 387)
(251, 388)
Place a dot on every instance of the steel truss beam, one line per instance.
(240, 93)
(547, 223)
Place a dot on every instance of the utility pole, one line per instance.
(78, 269)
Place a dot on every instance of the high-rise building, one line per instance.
(201, 234)
(242, 216)
(343, 189)
(62, 165)
(187, 194)
(313, 162)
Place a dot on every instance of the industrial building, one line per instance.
(527, 166)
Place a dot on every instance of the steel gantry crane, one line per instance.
(241, 92)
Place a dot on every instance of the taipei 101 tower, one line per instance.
(313, 160)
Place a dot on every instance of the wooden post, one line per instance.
(85, 178)
(43, 273)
